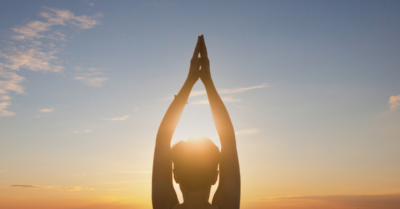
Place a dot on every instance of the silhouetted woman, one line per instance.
(196, 161)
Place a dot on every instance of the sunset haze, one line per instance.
(312, 89)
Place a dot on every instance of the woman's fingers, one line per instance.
(203, 47)
(197, 48)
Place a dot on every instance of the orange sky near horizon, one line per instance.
(35, 199)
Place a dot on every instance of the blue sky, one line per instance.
(308, 84)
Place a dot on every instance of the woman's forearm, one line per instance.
(173, 114)
(229, 183)
(220, 114)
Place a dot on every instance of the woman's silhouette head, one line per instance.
(195, 163)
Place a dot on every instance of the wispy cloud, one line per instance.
(90, 77)
(47, 110)
(205, 101)
(229, 91)
(117, 118)
(31, 186)
(35, 29)
(31, 30)
(96, 81)
(248, 131)
(197, 93)
(230, 99)
(10, 83)
(394, 102)
(200, 102)
(34, 48)
(241, 89)
(4, 97)
(3, 112)
(31, 59)
(222, 91)
(121, 182)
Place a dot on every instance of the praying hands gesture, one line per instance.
(200, 66)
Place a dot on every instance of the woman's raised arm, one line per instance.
(227, 195)
(163, 193)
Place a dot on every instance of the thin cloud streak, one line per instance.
(90, 77)
(121, 182)
(197, 93)
(47, 110)
(206, 102)
(248, 131)
(95, 81)
(118, 118)
(229, 91)
(230, 99)
(200, 102)
(241, 89)
(31, 186)
(220, 91)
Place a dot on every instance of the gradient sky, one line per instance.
(312, 88)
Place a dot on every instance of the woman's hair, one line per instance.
(195, 163)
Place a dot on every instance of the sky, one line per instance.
(312, 88)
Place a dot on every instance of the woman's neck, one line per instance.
(196, 199)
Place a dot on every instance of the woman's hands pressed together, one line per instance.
(195, 63)
(199, 66)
